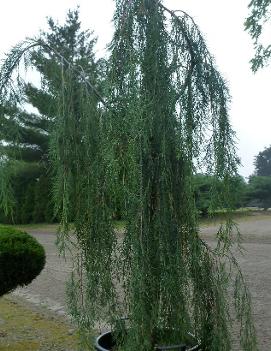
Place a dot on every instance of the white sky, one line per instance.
(221, 22)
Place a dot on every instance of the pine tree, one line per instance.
(29, 141)
(25, 147)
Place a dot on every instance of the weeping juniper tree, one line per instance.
(164, 112)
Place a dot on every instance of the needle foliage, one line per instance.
(255, 24)
(163, 113)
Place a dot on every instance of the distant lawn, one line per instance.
(119, 225)
(51, 228)
(243, 214)
(218, 216)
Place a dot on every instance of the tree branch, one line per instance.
(81, 72)
(5, 75)
(189, 42)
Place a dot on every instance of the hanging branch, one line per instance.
(81, 72)
(188, 40)
(260, 14)
(19, 51)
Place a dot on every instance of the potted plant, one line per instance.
(163, 112)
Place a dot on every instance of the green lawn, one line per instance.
(22, 329)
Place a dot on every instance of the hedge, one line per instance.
(22, 258)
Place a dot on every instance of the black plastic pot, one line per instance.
(105, 342)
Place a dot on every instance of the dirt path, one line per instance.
(49, 288)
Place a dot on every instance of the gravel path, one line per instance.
(49, 288)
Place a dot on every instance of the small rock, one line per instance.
(70, 331)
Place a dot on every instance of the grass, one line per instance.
(52, 228)
(119, 225)
(242, 214)
(217, 217)
(22, 329)
(40, 226)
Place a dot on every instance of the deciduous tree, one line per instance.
(260, 14)
(263, 162)
(259, 191)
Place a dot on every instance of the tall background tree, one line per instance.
(25, 151)
(27, 147)
(255, 24)
(206, 185)
(259, 186)
(259, 192)
(262, 162)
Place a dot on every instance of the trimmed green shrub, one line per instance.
(22, 258)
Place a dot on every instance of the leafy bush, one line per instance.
(205, 186)
(21, 259)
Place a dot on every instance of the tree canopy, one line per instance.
(205, 188)
(263, 162)
(260, 13)
(259, 191)
(26, 136)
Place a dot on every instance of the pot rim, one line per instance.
(100, 348)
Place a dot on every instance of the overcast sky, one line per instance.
(221, 22)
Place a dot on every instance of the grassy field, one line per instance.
(22, 329)
(37, 226)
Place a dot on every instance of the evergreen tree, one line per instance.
(162, 94)
(24, 146)
(262, 162)
(70, 46)
(29, 141)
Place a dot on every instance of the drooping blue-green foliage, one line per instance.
(170, 114)
(255, 24)
(163, 113)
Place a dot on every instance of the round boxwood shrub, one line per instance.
(22, 258)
